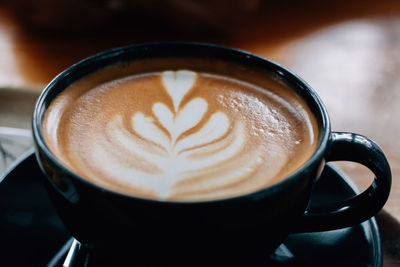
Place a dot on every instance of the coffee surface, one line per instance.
(179, 134)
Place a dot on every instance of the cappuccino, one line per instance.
(183, 132)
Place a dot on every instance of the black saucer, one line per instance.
(33, 235)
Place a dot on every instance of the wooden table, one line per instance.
(348, 51)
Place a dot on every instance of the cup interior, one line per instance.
(217, 56)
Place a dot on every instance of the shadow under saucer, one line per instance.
(33, 235)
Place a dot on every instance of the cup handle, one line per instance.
(352, 211)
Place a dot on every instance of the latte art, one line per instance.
(176, 135)
(174, 158)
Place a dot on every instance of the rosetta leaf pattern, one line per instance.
(172, 152)
(176, 123)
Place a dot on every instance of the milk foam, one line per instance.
(182, 147)
(176, 160)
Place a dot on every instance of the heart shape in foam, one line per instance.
(188, 117)
(178, 84)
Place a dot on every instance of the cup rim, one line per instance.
(67, 77)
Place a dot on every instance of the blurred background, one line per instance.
(347, 50)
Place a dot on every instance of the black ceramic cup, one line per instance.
(121, 228)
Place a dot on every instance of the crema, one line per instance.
(179, 134)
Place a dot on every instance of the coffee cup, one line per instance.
(164, 152)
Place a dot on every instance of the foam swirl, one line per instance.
(186, 144)
(178, 158)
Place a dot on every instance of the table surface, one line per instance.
(348, 51)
